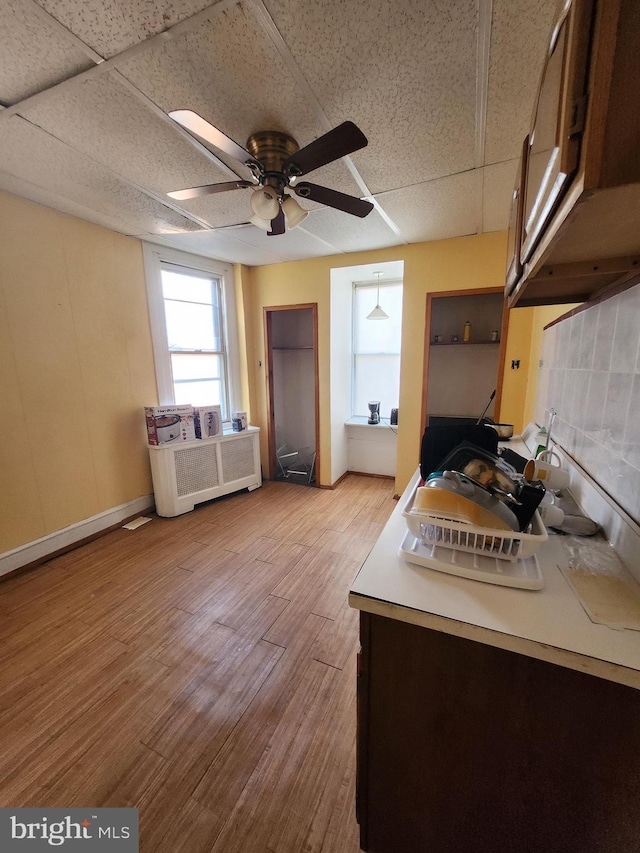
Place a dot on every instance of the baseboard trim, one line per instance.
(48, 546)
(378, 476)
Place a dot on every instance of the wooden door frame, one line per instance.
(480, 291)
(267, 312)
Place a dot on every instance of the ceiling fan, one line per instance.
(276, 162)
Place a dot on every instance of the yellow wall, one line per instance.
(76, 367)
(76, 360)
(462, 263)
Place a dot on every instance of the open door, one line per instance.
(291, 343)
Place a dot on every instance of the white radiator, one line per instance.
(189, 473)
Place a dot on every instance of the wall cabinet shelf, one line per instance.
(465, 343)
(460, 375)
(575, 221)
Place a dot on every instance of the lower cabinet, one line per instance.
(465, 748)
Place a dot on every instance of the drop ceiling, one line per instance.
(443, 90)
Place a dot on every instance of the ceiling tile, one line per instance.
(36, 157)
(224, 245)
(349, 233)
(229, 72)
(498, 183)
(293, 245)
(142, 147)
(33, 56)
(404, 72)
(519, 37)
(436, 210)
(110, 26)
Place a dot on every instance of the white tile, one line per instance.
(33, 55)
(144, 148)
(110, 26)
(403, 71)
(520, 34)
(33, 156)
(435, 210)
(497, 187)
(626, 337)
(350, 233)
(603, 344)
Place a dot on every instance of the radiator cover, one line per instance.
(189, 473)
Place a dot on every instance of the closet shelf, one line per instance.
(466, 344)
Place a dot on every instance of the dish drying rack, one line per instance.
(494, 556)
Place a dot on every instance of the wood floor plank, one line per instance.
(210, 705)
(303, 821)
(200, 669)
(225, 778)
(336, 639)
(271, 787)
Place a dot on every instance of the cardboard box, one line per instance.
(170, 424)
(238, 421)
(208, 421)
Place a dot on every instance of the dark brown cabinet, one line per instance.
(575, 220)
(466, 747)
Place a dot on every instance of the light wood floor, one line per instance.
(200, 668)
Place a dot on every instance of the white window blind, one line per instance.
(376, 348)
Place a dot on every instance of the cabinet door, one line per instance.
(514, 238)
(554, 141)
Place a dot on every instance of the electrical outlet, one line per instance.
(515, 364)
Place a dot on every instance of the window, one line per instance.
(192, 312)
(376, 348)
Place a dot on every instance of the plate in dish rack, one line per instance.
(524, 574)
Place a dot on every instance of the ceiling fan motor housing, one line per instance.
(272, 148)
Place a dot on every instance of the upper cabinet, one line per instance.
(575, 218)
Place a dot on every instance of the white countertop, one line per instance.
(549, 624)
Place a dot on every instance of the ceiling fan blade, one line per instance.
(208, 189)
(332, 198)
(196, 124)
(277, 224)
(342, 140)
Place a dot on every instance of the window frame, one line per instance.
(155, 256)
(354, 287)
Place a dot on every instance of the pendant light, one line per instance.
(378, 313)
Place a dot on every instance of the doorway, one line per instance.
(291, 343)
(465, 345)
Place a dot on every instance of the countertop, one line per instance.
(548, 624)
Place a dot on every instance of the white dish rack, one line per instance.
(460, 536)
(494, 556)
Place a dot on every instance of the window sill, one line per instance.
(361, 421)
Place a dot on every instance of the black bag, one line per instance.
(439, 441)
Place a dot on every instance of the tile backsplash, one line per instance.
(590, 374)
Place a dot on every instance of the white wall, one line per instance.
(372, 449)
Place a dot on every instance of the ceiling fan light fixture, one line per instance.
(294, 213)
(260, 222)
(264, 203)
